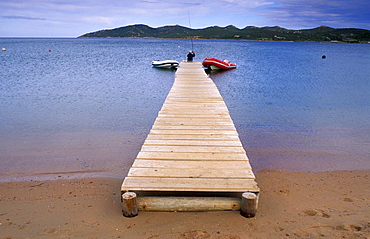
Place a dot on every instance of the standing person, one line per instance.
(190, 56)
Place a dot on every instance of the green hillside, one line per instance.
(319, 34)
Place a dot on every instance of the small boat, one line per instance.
(216, 64)
(165, 64)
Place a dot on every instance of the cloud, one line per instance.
(245, 4)
(23, 18)
(340, 13)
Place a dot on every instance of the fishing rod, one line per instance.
(192, 44)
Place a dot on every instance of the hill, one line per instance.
(319, 34)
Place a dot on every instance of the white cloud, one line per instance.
(23, 18)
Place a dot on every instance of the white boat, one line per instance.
(165, 64)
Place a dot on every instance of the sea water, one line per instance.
(85, 106)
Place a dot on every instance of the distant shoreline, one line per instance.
(250, 33)
(81, 37)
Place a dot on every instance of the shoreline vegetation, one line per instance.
(276, 33)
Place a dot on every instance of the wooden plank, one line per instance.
(200, 95)
(198, 125)
(192, 156)
(194, 127)
(190, 84)
(211, 164)
(183, 104)
(194, 89)
(194, 131)
(188, 204)
(185, 107)
(215, 103)
(189, 101)
(211, 137)
(192, 149)
(194, 119)
(192, 142)
(193, 99)
(195, 116)
(198, 110)
(169, 122)
(189, 184)
(213, 112)
(189, 173)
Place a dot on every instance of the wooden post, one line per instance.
(248, 207)
(129, 207)
(188, 204)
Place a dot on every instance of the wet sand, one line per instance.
(292, 205)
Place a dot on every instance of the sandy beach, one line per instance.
(292, 205)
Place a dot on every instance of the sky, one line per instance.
(72, 18)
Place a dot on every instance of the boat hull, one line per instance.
(165, 64)
(215, 64)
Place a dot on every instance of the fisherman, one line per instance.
(190, 56)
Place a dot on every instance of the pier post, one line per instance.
(248, 207)
(129, 208)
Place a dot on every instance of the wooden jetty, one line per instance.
(192, 159)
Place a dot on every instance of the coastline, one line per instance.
(276, 33)
(221, 39)
(292, 205)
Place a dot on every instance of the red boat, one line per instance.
(216, 64)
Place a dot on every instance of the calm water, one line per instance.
(86, 106)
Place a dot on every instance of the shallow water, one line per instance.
(87, 105)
